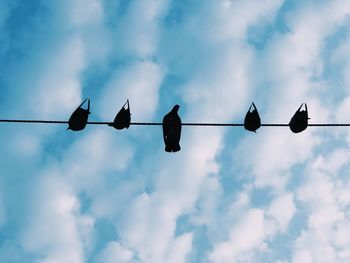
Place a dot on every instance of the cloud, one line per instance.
(115, 252)
(140, 83)
(246, 235)
(282, 210)
(137, 29)
(224, 20)
(322, 240)
(273, 169)
(180, 249)
(53, 229)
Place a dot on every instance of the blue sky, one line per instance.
(229, 196)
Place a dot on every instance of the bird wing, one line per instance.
(178, 127)
(165, 127)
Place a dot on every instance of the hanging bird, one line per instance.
(79, 118)
(122, 119)
(252, 120)
(172, 130)
(299, 121)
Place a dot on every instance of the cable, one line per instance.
(35, 121)
(183, 124)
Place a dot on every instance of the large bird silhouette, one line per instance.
(122, 119)
(252, 120)
(79, 118)
(172, 130)
(299, 121)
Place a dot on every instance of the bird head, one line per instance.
(176, 108)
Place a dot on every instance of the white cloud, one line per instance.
(335, 161)
(58, 89)
(180, 249)
(140, 83)
(150, 216)
(208, 201)
(228, 71)
(246, 236)
(93, 155)
(115, 252)
(271, 153)
(323, 239)
(83, 13)
(54, 223)
(340, 60)
(224, 20)
(282, 210)
(138, 29)
(302, 256)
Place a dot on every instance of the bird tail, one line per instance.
(168, 148)
(176, 148)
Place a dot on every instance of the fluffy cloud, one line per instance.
(53, 229)
(246, 235)
(140, 83)
(137, 29)
(282, 210)
(113, 252)
(323, 240)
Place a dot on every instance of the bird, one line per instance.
(172, 130)
(299, 121)
(122, 119)
(252, 120)
(79, 118)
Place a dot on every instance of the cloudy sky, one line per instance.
(102, 195)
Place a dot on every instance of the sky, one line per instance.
(229, 195)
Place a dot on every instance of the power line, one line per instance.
(183, 124)
(35, 121)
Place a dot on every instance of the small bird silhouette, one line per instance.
(122, 119)
(79, 118)
(252, 120)
(299, 121)
(172, 130)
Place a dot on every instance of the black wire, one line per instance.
(183, 124)
(34, 121)
(240, 124)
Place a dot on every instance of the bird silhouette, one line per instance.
(122, 119)
(172, 130)
(79, 118)
(299, 121)
(252, 120)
